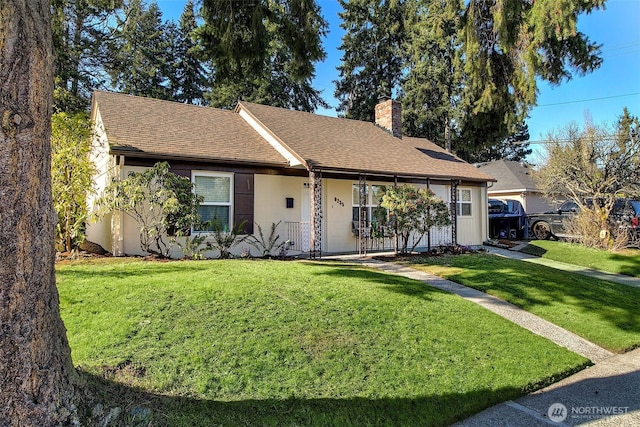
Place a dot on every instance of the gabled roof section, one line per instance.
(510, 175)
(146, 127)
(338, 144)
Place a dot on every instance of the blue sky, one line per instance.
(600, 95)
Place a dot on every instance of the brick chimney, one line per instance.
(389, 116)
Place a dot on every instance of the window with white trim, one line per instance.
(463, 207)
(373, 197)
(217, 191)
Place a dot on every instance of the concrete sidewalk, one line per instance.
(612, 386)
(606, 394)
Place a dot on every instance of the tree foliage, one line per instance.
(80, 30)
(140, 52)
(593, 166)
(414, 211)
(465, 71)
(373, 59)
(188, 74)
(432, 89)
(159, 201)
(263, 51)
(513, 147)
(508, 44)
(71, 173)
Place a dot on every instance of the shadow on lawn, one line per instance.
(140, 408)
(527, 285)
(114, 272)
(630, 265)
(391, 282)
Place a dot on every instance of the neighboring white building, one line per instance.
(266, 165)
(514, 182)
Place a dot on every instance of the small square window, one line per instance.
(463, 207)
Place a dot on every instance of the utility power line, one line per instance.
(588, 100)
(607, 137)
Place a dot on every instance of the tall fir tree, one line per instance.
(263, 51)
(467, 71)
(373, 59)
(508, 44)
(39, 385)
(140, 52)
(514, 147)
(80, 30)
(432, 89)
(188, 75)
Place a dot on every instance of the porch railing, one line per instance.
(299, 235)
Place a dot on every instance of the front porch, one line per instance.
(325, 213)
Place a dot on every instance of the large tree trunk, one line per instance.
(36, 374)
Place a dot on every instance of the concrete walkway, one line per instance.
(509, 311)
(606, 394)
(609, 277)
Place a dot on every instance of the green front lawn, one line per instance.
(293, 343)
(624, 262)
(605, 313)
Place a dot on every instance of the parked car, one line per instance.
(507, 219)
(625, 214)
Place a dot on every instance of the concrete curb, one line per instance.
(606, 394)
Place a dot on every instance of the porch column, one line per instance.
(395, 223)
(315, 222)
(454, 212)
(362, 215)
(428, 213)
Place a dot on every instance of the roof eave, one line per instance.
(516, 190)
(166, 156)
(241, 108)
(398, 174)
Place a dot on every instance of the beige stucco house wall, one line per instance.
(271, 192)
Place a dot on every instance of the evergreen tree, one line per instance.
(188, 75)
(39, 385)
(373, 59)
(510, 44)
(432, 90)
(80, 28)
(139, 52)
(263, 51)
(514, 147)
(467, 71)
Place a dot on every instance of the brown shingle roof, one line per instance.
(150, 127)
(352, 145)
(138, 126)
